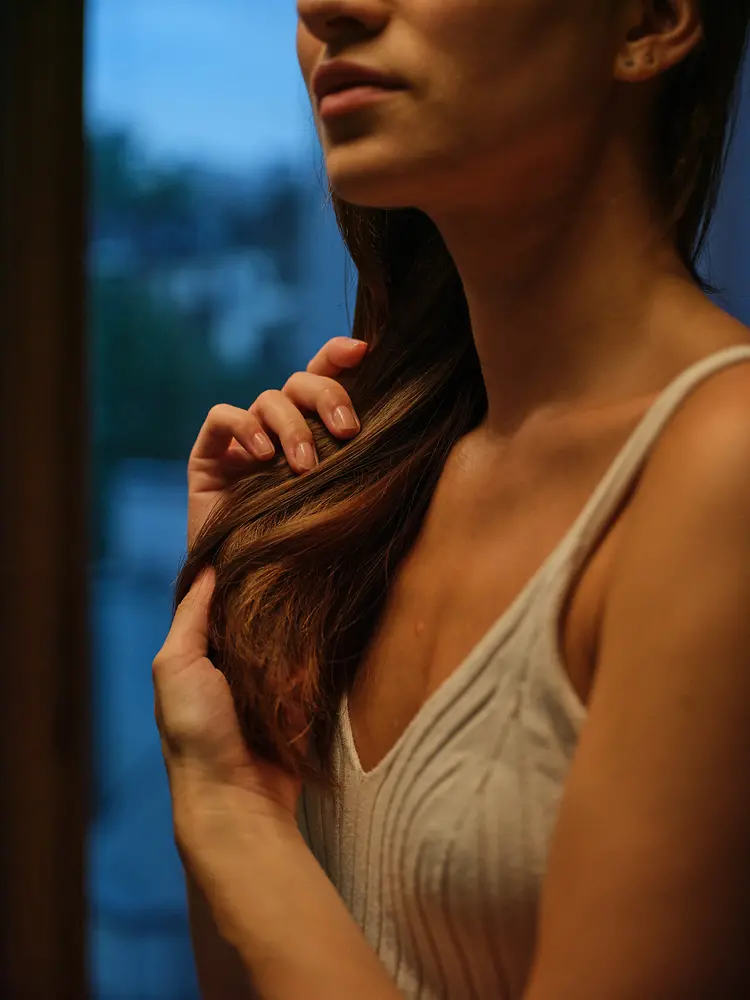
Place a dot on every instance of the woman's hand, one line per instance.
(222, 796)
(236, 832)
(232, 440)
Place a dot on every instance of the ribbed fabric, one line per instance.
(440, 851)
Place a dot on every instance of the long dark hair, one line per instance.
(303, 563)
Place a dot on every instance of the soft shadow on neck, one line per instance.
(569, 289)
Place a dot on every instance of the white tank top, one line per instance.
(440, 851)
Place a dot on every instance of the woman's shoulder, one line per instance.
(651, 842)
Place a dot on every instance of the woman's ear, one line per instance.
(658, 35)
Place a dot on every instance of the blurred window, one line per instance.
(215, 269)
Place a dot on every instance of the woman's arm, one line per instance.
(235, 827)
(221, 972)
(647, 895)
(288, 924)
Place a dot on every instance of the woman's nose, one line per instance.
(338, 20)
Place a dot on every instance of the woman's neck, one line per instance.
(566, 290)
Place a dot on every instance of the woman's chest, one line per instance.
(457, 583)
(440, 855)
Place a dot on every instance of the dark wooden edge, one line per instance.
(44, 679)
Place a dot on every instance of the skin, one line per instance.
(232, 441)
(646, 894)
(522, 134)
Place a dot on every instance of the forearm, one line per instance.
(221, 972)
(292, 930)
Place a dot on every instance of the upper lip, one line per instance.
(339, 75)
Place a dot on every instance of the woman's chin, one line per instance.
(369, 183)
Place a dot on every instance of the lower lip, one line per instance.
(346, 101)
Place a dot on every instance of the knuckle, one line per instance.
(264, 400)
(218, 414)
(293, 382)
(299, 434)
(266, 397)
(334, 395)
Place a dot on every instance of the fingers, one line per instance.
(235, 436)
(327, 398)
(279, 414)
(282, 413)
(337, 354)
(225, 423)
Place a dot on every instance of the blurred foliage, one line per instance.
(154, 371)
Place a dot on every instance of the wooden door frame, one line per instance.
(44, 708)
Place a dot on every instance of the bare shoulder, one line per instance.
(648, 889)
(706, 443)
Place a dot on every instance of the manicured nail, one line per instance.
(263, 444)
(344, 419)
(305, 456)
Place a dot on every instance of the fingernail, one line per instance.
(305, 456)
(263, 444)
(344, 419)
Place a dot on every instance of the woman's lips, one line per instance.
(344, 102)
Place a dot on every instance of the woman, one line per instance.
(484, 731)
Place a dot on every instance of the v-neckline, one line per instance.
(458, 677)
(476, 659)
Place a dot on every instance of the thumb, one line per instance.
(188, 636)
(187, 688)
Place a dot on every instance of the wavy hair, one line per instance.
(303, 563)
